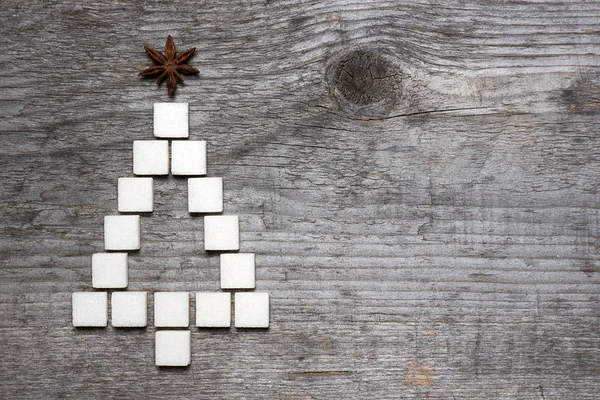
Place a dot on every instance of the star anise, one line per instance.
(169, 65)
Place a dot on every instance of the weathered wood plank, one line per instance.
(419, 182)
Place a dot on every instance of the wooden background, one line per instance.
(420, 182)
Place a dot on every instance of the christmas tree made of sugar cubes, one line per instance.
(122, 234)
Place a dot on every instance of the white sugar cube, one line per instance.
(90, 309)
(122, 232)
(129, 309)
(237, 271)
(213, 309)
(221, 232)
(135, 194)
(171, 120)
(251, 310)
(150, 157)
(205, 195)
(171, 309)
(109, 270)
(173, 348)
(188, 157)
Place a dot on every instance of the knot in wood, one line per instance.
(364, 82)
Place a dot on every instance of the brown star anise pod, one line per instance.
(169, 65)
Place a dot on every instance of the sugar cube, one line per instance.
(135, 194)
(173, 348)
(172, 309)
(109, 270)
(213, 309)
(90, 309)
(205, 195)
(171, 120)
(188, 157)
(237, 271)
(129, 309)
(150, 157)
(221, 232)
(251, 310)
(122, 232)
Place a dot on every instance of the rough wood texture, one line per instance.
(419, 182)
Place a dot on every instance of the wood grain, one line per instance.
(420, 182)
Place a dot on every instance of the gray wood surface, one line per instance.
(420, 182)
